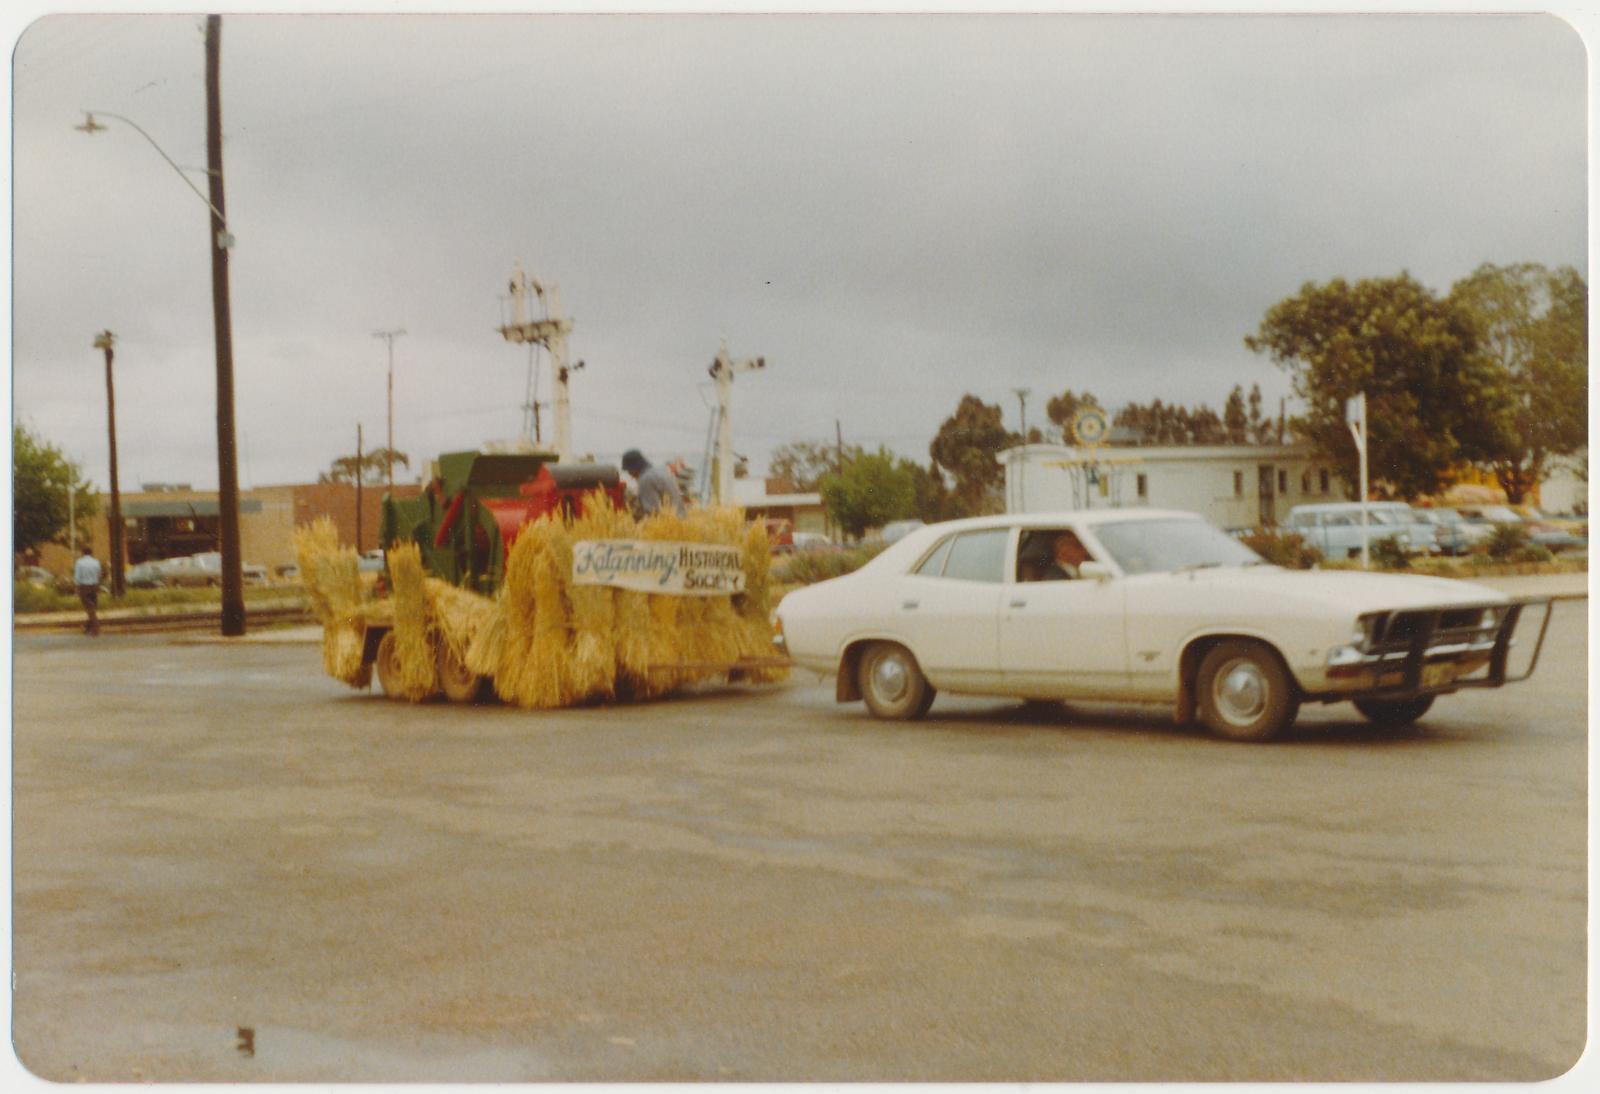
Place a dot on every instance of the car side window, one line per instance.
(978, 556)
(1338, 520)
(933, 565)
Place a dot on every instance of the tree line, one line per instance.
(1492, 375)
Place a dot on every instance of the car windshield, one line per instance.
(1162, 546)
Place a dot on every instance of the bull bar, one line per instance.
(1404, 645)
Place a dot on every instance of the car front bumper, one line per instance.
(1432, 652)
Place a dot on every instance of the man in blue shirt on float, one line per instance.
(657, 488)
(86, 576)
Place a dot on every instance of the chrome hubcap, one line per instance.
(1241, 692)
(890, 679)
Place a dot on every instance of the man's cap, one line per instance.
(633, 461)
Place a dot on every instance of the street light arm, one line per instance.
(89, 127)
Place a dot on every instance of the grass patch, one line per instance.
(31, 599)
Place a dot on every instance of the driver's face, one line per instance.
(1069, 551)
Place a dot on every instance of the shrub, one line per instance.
(1287, 549)
(1506, 540)
(1532, 552)
(810, 567)
(1387, 554)
(36, 598)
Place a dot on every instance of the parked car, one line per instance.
(1334, 528)
(780, 535)
(1540, 533)
(1166, 608)
(36, 575)
(192, 570)
(1454, 534)
(813, 541)
(205, 569)
(145, 575)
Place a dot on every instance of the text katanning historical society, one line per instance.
(679, 569)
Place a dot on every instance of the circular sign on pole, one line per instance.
(1090, 426)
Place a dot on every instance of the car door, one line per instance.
(947, 609)
(1064, 638)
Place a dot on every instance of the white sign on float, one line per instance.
(655, 566)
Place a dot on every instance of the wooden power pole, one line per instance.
(118, 531)
(222, 323)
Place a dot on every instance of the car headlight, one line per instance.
(1366, 630)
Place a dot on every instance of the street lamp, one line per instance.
(233, 618)
(388, 455)
(92, 127)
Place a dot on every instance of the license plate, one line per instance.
(1437, 676)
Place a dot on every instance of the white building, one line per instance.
(1234, 486)
(1563, 489)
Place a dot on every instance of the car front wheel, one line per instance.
(1244, 692)
(1394, 712)
(892, 684)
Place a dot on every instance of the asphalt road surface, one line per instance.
(229, 867)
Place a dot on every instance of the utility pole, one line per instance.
(358, 488)
(549, 331)
(104, 341)
(838, 447)
(1022, 464)
(530, 401)
(222, 322)
(722, 370)
(388, 457)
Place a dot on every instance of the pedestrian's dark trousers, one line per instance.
(89, 597)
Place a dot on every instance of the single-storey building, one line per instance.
(172, 521)
(1234, 486)
(777, 498)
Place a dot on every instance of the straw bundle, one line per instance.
(457, 615)
(551, 684)
(518, 609)
(593, 654)
(414, 656)
(487, 647)
(755, 605)
(332, 579)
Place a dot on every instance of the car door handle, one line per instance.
(1019, 603)
(908, 604)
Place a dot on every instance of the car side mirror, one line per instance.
(1094, 571)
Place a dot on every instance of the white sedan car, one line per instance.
(1167, 608)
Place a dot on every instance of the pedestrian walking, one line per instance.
(86, 576)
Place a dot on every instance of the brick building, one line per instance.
(170, 521)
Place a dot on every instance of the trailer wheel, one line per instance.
(388, 665)
(459, 683)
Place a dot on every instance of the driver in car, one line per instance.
(1067, 553)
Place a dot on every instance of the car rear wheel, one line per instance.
(892, 684)
(1394, 712)
(1244, 692)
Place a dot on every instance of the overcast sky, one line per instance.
(893, 211)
